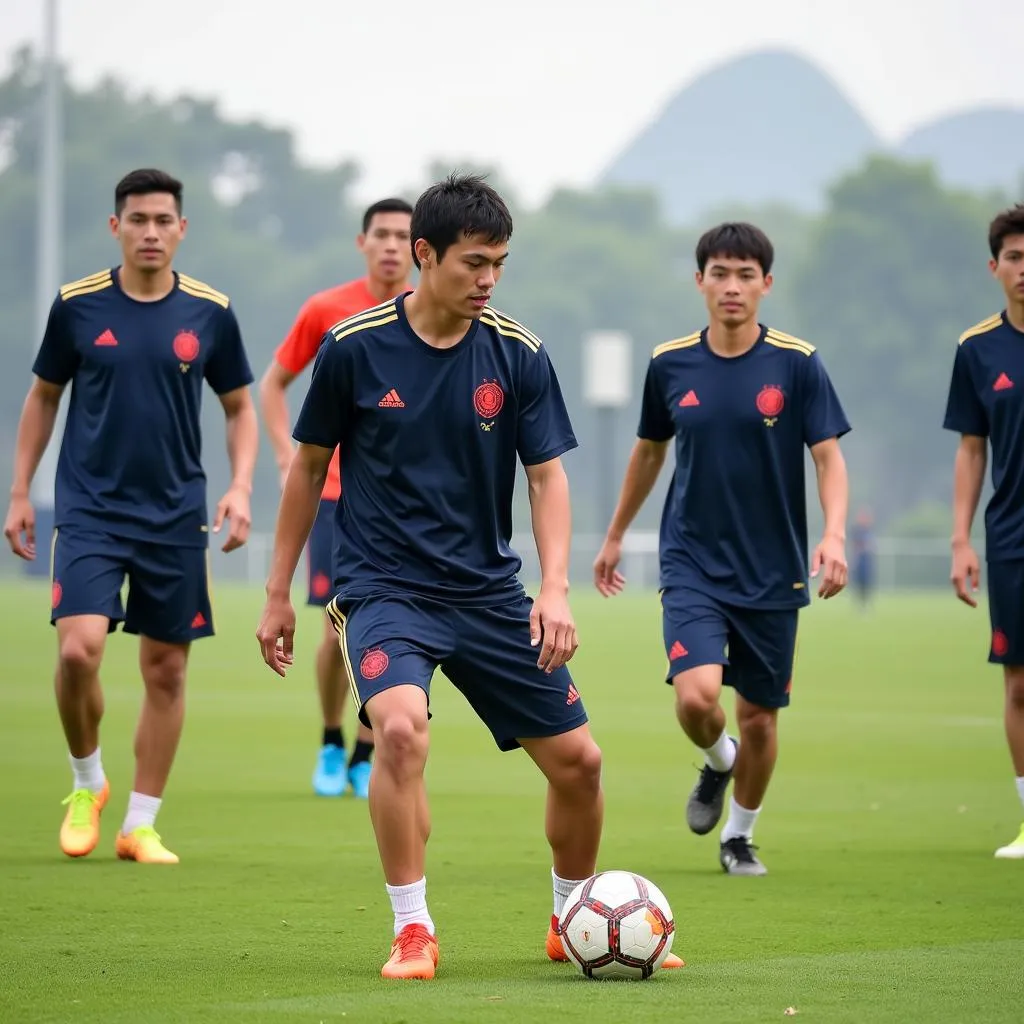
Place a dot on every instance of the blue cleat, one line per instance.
(359, 779)
(330, 779)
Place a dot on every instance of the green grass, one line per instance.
(883, 901)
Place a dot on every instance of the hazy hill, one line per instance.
(711, 146)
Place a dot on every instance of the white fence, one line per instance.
(900, 563)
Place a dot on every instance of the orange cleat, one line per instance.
(143, 845)
(414, 954)
(80, 831)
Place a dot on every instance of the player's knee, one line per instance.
(1015, 688)
(401, 743)
(80, 655)
(578, 769)
(695, 703)
(757, 725)
(163, 671)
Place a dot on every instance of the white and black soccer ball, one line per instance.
(617, 925)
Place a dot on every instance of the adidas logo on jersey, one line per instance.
(391, 401)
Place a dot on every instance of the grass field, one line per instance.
(883, 902)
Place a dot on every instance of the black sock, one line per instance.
(333, 738)
(361, 753)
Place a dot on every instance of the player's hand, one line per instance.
(552, 627)
(234, 507)
(829, 559)
(21, 519)
(966, 573)
(607, 578)
(276, 634)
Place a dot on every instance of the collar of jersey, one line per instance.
(436, 353)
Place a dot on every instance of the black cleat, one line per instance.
(704, 808)
(737, 857)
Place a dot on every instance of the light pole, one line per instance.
(607, 376)
(48, 264)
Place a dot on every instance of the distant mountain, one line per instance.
(976, 149)
(706, 150)
(768, 127)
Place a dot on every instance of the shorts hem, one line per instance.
(775, 704)
(512, 742)
(703, 663)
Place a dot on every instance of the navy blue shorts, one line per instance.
(320, 556)
(1006, 611)
(757, 647)
(168, 585)
(485, 652)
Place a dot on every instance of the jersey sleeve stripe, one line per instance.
(671, 346)
(353, 326)
(788, 341)
(95, 283)
(528, 339)
(986, 325)
(210, 296)
(513, 325)
(194, 286)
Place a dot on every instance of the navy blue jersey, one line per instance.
(429, 445)
(986, 399)
(734, 525)
(130, 459)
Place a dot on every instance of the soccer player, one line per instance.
(862, 568)
(433, 397)
(136, 342)
(740, 401)
(384, 242)
(985, 407)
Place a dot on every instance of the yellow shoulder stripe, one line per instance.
(85, 285)
(509, 328)
(677, 343)
(781, 340)
(986, 325)
(378, 316)
(199, 290)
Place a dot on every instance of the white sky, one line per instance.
(549, 91)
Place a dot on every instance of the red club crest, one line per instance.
(321, 585)
(56, 593)
(488, 399)
(186, 346)
(1000, 643)
(374, 664)
(770, 401)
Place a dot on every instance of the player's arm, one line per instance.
(834, 496)
(966, 415)
(322, 424)
(645, 461)
(274, 406)
(293, 355)
(55, 365)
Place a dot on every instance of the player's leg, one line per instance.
(329, 775)
(1006, 608)
(695, 633)
(169, 606)
(391, 674)
(88, 570)
(762, 650)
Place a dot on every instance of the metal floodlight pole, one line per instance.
(48, 255)
(607, 375)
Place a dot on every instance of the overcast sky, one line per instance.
(548, 90)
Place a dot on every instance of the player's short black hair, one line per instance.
(1009, 222)
(460, 206)
(145, 182)
(737, 241)
(391, 205)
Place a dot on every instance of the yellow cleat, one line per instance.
(142, 844)
(80, 831)
(1014, 850)
(414, 954)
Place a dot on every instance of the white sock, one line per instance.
(409, 902)
(1020, 787)
(740, 823)
(563, 890)
(721, 755)
(88, 771)
(142, 811)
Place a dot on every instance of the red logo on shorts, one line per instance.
(677, 651)
(1000, 643)
(320, 585)
(56, 593)
(199, 621)
(374, 664)
(573, 695)
(488, 400)
(186, 348)
(770, 402)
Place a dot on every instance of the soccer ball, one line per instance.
(617, 925)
